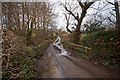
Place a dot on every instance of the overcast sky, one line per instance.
(61, 22)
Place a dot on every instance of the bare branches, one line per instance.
(89, 4)
(112, 14)
(110, 2)
(81, 5)
(67, 19)
(70, 12)
(111, 20)
(18, 15)
(84, 5)
(116, 9)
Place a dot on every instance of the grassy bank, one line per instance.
(18, 57)
(104, 46)
(41, 48)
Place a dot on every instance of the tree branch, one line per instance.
(82, 6)
(68, 30)
(70, 12)
(111, 20)
(112, 14)
(89, 4)
(67, 19)
(110, 3)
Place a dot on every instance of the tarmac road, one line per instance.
(66, 66)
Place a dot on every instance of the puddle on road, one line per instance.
(58, 44)
(57, 74)
(54, 71)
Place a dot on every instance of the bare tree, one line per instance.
(84, 6)
(116, 9)
(24, 17)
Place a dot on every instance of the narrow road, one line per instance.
(66, 66)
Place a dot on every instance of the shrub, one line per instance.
(105, 44)
(41, 48)
(43, 45)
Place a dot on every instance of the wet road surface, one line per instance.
(66, 66)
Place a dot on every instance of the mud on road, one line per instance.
(61, 65)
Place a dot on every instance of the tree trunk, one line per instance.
(79, 25)
(117, 15)
(9, 17)
(81, 18)
(23, 15)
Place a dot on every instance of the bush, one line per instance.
(17, 58)
(94, 28)
(105, 44)
(41, 48)
(42, 44)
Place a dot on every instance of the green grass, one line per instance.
(73, 49)
(39, 51)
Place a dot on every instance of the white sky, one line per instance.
(60, 10)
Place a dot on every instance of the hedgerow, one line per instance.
(105, 45)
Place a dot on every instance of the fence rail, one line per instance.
(86, 48)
